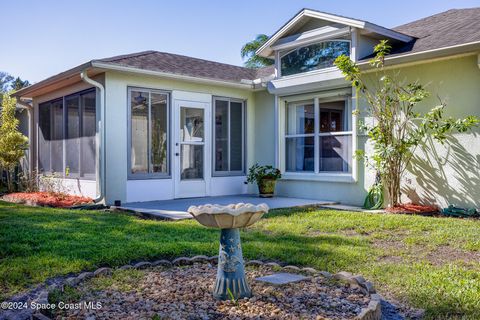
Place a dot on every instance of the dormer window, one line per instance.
(313, 57)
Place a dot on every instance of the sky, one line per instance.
(43, 38)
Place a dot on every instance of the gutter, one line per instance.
(415, 58)
(100, 140)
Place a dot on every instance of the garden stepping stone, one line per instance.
(278, 279)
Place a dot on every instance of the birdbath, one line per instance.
(231, 279)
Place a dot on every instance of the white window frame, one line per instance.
(244, 130)
(282, 53)
(318, 175)
(148, 175)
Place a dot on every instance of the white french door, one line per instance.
(191, 149)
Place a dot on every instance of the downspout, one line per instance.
(478, 61)
(100, 140)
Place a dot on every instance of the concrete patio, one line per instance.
(177, 209)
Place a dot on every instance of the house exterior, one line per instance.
(154, 126)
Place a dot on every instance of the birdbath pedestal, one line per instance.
(231, 281)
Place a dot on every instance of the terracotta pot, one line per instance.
(266, 187)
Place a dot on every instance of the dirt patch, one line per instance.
(186, 293)
(46, 199)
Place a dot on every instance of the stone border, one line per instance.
(372, 312)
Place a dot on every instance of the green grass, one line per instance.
(429, 263)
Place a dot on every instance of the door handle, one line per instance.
(177, 154)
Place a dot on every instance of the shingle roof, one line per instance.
(187, 66)
(449, 28)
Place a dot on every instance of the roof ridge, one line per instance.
(124, 56)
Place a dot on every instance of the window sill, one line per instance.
(320, 177)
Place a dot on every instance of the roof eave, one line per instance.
(247, 84)
(266, 51)
(421, 56)
(52, 80)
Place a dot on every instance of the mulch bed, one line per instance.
(411, 208)
(185, 292)
(46, 199)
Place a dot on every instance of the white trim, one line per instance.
(320, 177)
(430, 55)
(313, 38)
(248, 84)
(266, 49)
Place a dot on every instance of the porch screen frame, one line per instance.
(58, 174)
(229, 173)
(150, 174)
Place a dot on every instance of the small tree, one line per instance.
(398, 129)
(12, 142)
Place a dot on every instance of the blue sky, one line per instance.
(43, 38)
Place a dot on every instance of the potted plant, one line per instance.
(265, 177)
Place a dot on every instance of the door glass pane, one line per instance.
(221, 135)
(87, 141)
(191, 125)
(139, 111)
(73, 136)
(57, 137)
(300, 154)
(300, 118)
(236, 136)
(159, 133)
(191, 161)
(335, 153)
(44, 137)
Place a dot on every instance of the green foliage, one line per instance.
(248, 52)
(12, 142)
(18, 84)
(398, 127)
(257, 173)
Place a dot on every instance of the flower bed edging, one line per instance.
(372, 312)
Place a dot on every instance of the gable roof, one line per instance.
(266, 51)
(181, 65)
(168, 65)
(450, 28)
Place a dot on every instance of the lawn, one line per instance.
(429, 263)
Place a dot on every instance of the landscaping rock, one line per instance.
(142, 265)
(183, 261)
(102, 272)
(161, 262)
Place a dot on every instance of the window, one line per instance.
(149, 131)
(228, 136)
(313, 57)
(318, 137)
(66, 136)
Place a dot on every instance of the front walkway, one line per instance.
(177, 209)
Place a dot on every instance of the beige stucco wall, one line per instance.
(449, 173)
(440, 174)
(116, 85)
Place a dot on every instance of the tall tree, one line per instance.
(12, 142)
(248, 52)
(18, 84)
(5, 82)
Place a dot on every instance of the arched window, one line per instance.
(313, 57)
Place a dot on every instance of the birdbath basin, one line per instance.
(231, 281)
